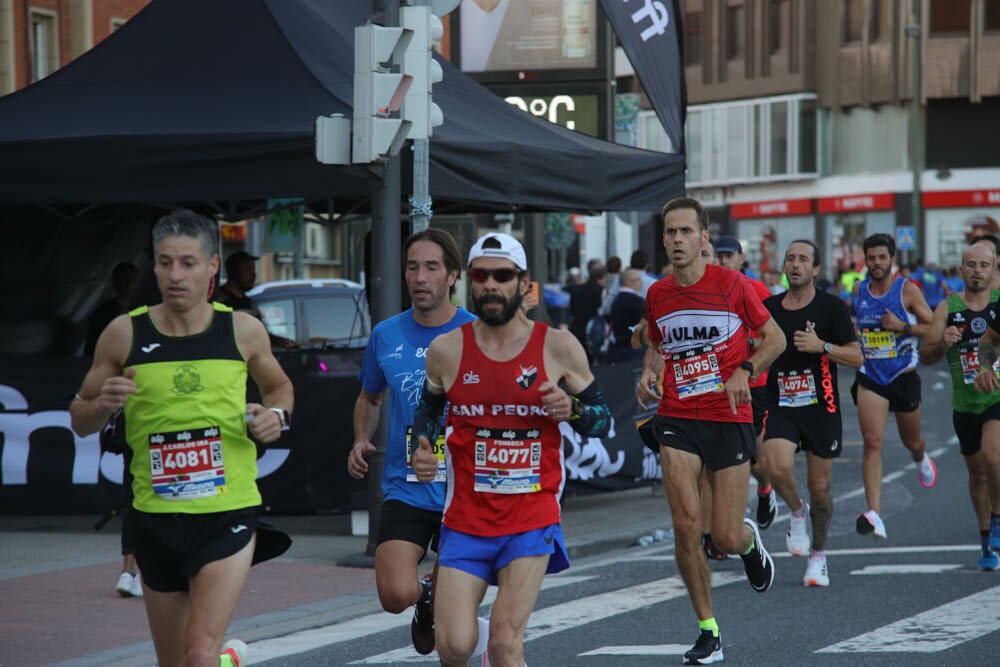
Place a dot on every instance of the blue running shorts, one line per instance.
(484, 556)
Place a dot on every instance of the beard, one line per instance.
(505, 315)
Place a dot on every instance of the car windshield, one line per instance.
(279, 318)
(335, 320)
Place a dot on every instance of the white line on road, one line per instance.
(662, 649)
(308, 640)
(934, 630)
(906, 569)
(575, 613)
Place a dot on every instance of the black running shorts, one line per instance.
(969, 428)
(172, 548)
(400, 521)
(813, 429)
(903, 393)
(718, 444)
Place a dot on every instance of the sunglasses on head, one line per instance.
(499, 275)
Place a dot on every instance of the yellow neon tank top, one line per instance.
(186, 425)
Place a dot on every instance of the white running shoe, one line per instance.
(816, 574)
(237, 651)
(127, 585)
(137, 585)
(797, 540)
(926, 472)
(870, 523)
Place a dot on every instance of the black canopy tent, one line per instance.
(211, 105)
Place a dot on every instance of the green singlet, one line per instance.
(963, 356)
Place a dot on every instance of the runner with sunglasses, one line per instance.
(510, 382)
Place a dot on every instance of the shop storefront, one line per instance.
(952, 217)
(765, 229)
(847, 221)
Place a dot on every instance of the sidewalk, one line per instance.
(57, 578)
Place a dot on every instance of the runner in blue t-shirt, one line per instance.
(410, 518)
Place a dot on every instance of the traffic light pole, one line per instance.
(420, 201)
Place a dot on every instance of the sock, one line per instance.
(227, 660)
(709, 624)
(800, 512)
(817, 553)
(766, 491)
(984, 538)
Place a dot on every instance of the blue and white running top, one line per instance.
(394, 359)
(887, 353)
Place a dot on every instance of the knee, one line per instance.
(453, 649)
(873, 442)
(505, 644)
(728, 541)
(394, 601)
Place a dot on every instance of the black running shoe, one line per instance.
(758, 564)
(422, 625)
(767, 509)
(706, 650)
(711, 550)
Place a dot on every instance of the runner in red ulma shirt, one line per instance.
(699, 320)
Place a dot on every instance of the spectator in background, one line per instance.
(772, 279)
(626, 311)
(614, 267)
(584, 302)
(124, 277)
(573, 278)
(954, 281)
(932, 282)
(640, 262)
(241, 274)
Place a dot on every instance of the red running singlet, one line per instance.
(504, 455)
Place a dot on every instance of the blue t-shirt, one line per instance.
(394, 359)
(887, 353)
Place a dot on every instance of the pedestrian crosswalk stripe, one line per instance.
(935, 630)
(663, 649)
(576, 613)
(917, 568)
(308, 640)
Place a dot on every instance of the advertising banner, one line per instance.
(651, 34)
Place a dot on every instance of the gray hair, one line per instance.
(183, 222)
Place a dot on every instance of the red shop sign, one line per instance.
(771, 209)
(960, 198)
(883, 201)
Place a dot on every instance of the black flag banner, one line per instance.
(651, 34)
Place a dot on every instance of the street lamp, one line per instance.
(913, 32)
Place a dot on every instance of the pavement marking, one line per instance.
(935, 630)
(660, 556)
(576, 613)
(906, 569)
(314, 638)
(662, 649)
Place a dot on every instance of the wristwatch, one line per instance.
(747, 366)
(828, 348)
(283, 417)
(906, 328)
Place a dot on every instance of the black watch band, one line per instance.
(747, 366)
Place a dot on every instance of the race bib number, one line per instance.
(436, 447)
(187, 464)
(696, 372)
(968, 355)
(796, 389)
(508, 460)
(878, 344)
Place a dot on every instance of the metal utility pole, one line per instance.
(913, 31)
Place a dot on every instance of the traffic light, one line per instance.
(418, 62)
(379, 92)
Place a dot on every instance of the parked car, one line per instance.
(321, 313)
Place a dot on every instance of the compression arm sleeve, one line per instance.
(591, 415)
(427, 418)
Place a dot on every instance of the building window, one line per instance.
(853, 14)
(992, 18)
(777, 25)
(880, 21)
(44, 46)
(752, 141)
(950, 18)
(692, 38)
(735, 33)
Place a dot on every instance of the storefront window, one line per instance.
(736, 143)
(952, 17)
(949, 231)
(765, 240)
(845, 234)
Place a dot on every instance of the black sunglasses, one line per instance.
(499, 275)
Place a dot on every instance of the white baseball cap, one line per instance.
(510, 248)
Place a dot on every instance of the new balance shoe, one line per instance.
(797, 539)
(711, 551)
(758, 564)
(767, 509)
(926, 472)
(236, 651)
(706, 650)
(422, 625)
(995, 532)
(989, 560)
(870, 523)
(816, 574)
(128, 585)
